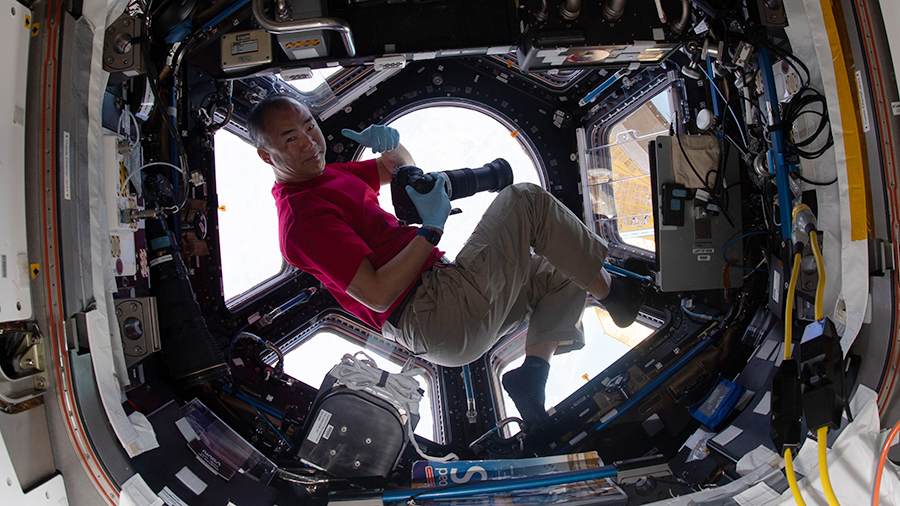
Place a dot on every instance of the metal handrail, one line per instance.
(304, 25)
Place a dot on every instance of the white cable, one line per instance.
(151, 164)
(684, 303)
(733, 114)
(402, 388)
(126, 114)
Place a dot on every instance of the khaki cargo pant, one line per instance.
(529, 259)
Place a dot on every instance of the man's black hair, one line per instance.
(257, 117)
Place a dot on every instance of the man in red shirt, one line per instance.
(388, 275)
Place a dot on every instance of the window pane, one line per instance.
(619, 176)
(604, 344)
(447, 138)
(248, 220)
(315, 357)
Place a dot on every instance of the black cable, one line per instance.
(173, 131)
(798, 106)
(729, 138)
(816, 183)
(700, 178)
(153, 81)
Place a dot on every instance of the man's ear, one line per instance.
(264, 155)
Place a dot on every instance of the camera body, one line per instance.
(459, 183)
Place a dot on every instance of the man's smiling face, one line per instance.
(294, 145)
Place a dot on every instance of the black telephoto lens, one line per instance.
(460, 183)
(493, 176)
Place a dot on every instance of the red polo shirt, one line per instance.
(327, 226)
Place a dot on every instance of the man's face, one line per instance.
(293, 144)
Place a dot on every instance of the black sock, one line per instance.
(542, 366)
(625, 298)
(618, 288)
(526, 386)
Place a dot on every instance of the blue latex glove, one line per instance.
(378, 137)
(434, 206)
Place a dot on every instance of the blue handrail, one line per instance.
(495, 486)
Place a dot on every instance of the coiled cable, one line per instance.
(402, 388)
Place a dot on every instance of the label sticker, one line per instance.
(191, 480)
(764, 406)
(147, 103)
(727, 435)
(186, 430)
(318, 428)
(776, 286)
(170, 498)
(863, 108)
(67, 167)
(162, 259)
(302, 43)
(250, 46)
(895, 108)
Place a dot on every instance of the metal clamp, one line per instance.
(24, 374)
(304, 25)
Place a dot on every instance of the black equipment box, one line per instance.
(353, 433)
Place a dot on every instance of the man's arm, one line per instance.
(385, 140)
(378, 289)
(390, 160)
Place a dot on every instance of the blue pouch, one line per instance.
(718, 403)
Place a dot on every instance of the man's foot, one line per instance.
(525, 386)
(626, 296)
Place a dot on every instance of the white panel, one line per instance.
(891, 10)
(48, 493)
(15, 292)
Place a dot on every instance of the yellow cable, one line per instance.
(789, 306)
(820, 268)
(822, 434)
(788, 327)
(792, 478)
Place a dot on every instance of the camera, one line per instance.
(459, 183)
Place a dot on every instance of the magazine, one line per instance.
(581, 493)
(439, 474)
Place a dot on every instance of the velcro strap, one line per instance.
(383, 380)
